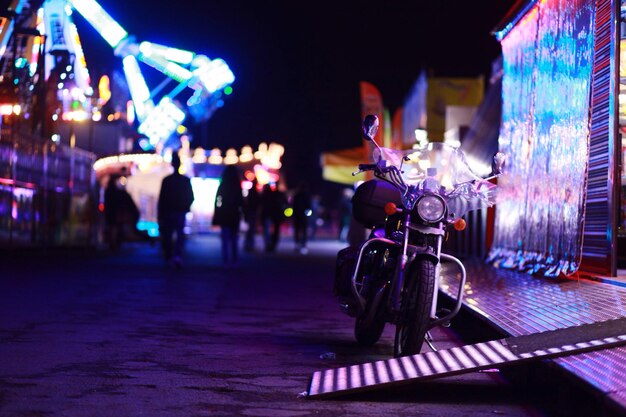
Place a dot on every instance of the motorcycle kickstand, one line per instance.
(429, 341)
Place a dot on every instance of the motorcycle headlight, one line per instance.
(431, 208)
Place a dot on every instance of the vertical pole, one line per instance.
(70, 222)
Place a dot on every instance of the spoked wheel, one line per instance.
(368, 333)
(417, 298)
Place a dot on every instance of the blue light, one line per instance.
(151, 227)
(145, 144)
(21, 62)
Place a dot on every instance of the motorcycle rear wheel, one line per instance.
(416, 304)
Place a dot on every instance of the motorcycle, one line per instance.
(393, 277)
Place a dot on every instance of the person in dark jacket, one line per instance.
(273, 204)
(175, 199)
(112, 204)
(251, 215)
(301, 215)
(120, 214)
(227, 215)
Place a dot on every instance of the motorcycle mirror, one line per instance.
(370, 127)
(499, 161)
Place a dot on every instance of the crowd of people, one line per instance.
(262, 210)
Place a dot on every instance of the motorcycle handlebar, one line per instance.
(367, 167)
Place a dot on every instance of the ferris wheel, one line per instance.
(57, 43)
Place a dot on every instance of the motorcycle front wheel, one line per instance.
(417, 299)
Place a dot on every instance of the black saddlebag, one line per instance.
(368, 202)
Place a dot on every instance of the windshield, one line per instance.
(446, 163)
(455, 181)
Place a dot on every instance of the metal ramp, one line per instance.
(458, 360)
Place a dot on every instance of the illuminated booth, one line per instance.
(559, 203)
(142, 175)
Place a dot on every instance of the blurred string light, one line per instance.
(246, 154)
(231, 157)
(215, 157)
(10, 109)
(255, 169)
(199, 156)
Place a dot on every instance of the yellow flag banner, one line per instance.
(338, 166)
(443, 92)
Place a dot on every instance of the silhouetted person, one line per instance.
(272, 215)
(301, 215)
(345, 214)
(175, 200)
(315, 218)
(251, 206)
(112, 203)
(120, 213)
(227, 215)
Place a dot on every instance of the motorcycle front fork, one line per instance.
(396, 301)
(396, 297)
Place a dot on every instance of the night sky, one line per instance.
(298, 64)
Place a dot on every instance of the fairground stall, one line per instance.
(142, 173)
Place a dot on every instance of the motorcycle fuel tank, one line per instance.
(368, 202)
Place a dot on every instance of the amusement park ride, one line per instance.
(48, 185)
(47, 45)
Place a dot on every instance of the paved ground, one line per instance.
(123, 335)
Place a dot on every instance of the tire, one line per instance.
(417, 299)
(367, 334)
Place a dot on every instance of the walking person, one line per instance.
(251, 214)
(121, 215)
(301, 215)
(227, 215)
(272, 215)
(175, 199)
(112, 215)
(345, 214)
(315, 220)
